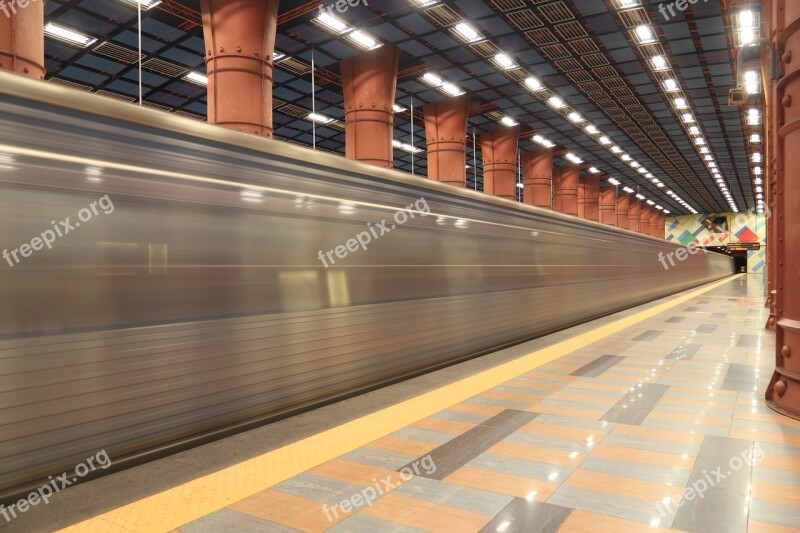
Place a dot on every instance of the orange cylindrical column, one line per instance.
(369, 84)
(240, 40)
(607, 206)
(623, 210)
(655, 215)
(499, 152)
(565, 189)
(644, 218)
(591, 198)
(634, 214)
(581, 198)
(783, 392)
(446, 133)
(22, 38)
(537, 175)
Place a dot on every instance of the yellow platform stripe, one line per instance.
(186, 503)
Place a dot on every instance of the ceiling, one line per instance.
(586, 52)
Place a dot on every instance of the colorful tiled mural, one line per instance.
(721, 229)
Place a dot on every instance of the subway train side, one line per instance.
(165, 281)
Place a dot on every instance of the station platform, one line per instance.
(652, 419)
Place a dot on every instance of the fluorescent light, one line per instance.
(508, 121)
(755, 138)
(753, 117)
(432, 79)
(626, 157)
(538, 139)
(451, 89)
(318, 118)
(747, 36)
(699, 141)
(574, 158)
(625, 4)
(556, 102)
(467, 32)
(410, 148)
(694, 130)
(197, 78)
(65, 34)
(688, 118)
(616, 149)
(756, 158)
(594, 170)
(635, 164)
(659, 63)
(398, 108)
(757, 171)
(649, 175)
(364, 40)
(592, 130)
(333, 23)
(627, 189)
(670, 85)
(709, 157)
(751, 84)
(641, 170)
(680, 103)
(146, 4)
(575, 117)
(746, 19)
(640, 197)
(645, 34)
(650, 202)
(704, 150)
(534, 84)
(505, 61)
(605, 140)
(613, 181)
(277, 56)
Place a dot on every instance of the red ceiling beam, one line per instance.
(192, 18)
(298, 12)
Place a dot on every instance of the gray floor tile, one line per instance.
(634, 407)
(362, 523)
(706, 328)
(521, 467)
(609, 504)
(230, 520)
(462, 449)
(684, 351)
(523, 516)
(318, 488)
(464, 498)
(657, 474)
(648, 335)
(714, 510)
(776, 513)
(598, 366)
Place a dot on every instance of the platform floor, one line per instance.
(653, 421)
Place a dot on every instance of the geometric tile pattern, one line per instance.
(621, 435)
(697, 230)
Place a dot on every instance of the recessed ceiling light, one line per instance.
(319, 118)
(467, 32)
(616, 149)
(572, 157)
(592, 130)
(364, 40)
(670, 85)
(451, 89)
(626, 157)
(688, 118)
(680, 103)
(505, 61)
(575, 117)
(594, 170)
(605, 140)
(67, 35)
(659, 63)
(432, 79)
(613, 181)
(556, 102)
(756, 157)
(753, 117)
(645, 34)
(332, 23)
(196, 78)
(508, 121)
(534, 84)
(398, 108)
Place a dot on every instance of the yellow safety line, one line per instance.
(186, 503)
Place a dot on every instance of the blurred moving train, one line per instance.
(192, 302)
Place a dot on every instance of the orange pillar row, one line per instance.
(499, 152)
(565, 189)
(655, 215)
(644, 218)
(623, 210)
(369, 85)
(446, 133)
(537, 177)
(783, 392)
(591, 198)
(634, 214)
(22, 39)
(240, 40)
(607, 206)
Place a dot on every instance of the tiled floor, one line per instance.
(660, 426)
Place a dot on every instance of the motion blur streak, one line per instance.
(194, 311)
